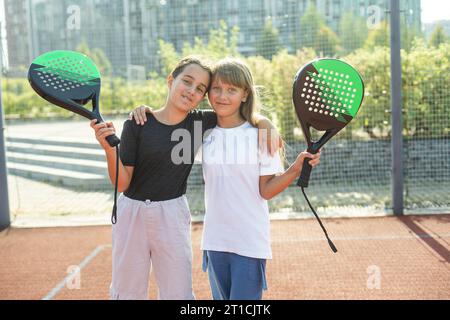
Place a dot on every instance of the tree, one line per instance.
(222, 42)
(350, 39)
(426, 91)
(269, 42)
(316, 34)
(310, 24)
(327, 41)
(438, 36)
(380, 35)
(98, 56)
(373, 64)
(168, 57)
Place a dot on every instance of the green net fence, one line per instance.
(57, 169)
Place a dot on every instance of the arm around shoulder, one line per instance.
(268, 135)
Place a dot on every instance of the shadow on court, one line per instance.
(378, 258)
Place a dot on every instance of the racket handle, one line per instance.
(113, 140)
(303, 181)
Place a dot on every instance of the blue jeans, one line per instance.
(235, 277)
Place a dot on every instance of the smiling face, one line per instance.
(188, 88)
(233, 92)
(225, 98)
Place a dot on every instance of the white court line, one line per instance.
(83, 264)
(99, 249)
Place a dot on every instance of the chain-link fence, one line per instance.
(56, 168)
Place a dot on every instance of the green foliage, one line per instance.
(327, 42)
(350, 39)
(426, 96)
(19, 99)
(168, 57)
(98, 56)
(316, 34)
(222, 43)
(438, 36)
(310, 24)
(269, 42)
(426, 80)
(379, 36)
(373, 66)
(117, 96)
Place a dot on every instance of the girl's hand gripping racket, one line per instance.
(70, 80)
(327, 95)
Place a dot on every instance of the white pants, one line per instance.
(152, 235)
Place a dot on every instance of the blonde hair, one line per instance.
(235, 72)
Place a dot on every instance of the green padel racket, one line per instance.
(70, 80)
(327, 95)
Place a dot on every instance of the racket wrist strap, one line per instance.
(330, 243)
(116, 184)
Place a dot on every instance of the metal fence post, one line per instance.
(4, 201)
(396, 101)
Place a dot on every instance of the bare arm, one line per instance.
(102, 130)
(270, 186)
(125, 172)
(268, 135)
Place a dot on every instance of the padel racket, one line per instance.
(327, 95)
(70, 80)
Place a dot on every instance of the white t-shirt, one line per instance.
(237, 217)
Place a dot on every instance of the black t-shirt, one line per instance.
(162, 166)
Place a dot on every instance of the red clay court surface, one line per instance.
(378, 258)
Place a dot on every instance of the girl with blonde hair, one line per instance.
(239, 179)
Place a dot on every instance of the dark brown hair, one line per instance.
(186, 61)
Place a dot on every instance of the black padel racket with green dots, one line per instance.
(327, 95)
(70, 80)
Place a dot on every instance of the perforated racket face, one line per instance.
(66, 78)
(327, 94)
